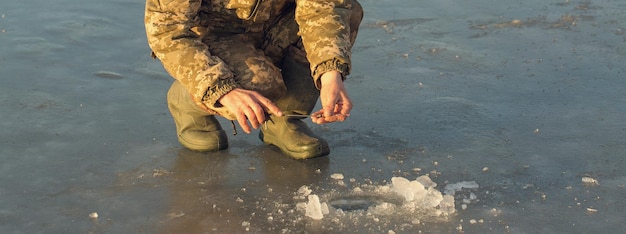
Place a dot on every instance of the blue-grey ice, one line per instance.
(524, 98)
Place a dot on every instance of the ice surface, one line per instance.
(451, 189)
(522, 97)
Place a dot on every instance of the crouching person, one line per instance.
(261, 63)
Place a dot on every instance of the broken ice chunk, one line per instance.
(410, 190)
(324, 208)
(300, 206)
(451, 189)
(432, 198)
(447, 204)
(314, 208)
(304, 191)
(590, 181)
(426, 181)
(337, 176)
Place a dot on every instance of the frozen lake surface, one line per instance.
(518, 105)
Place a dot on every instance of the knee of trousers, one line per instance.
(356, 17)
(262, 76)
(357, 13)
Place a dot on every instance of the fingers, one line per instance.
(318, 117)
(330, 100)
(329, 111)
(254, 113)
(241, 119)
(269, 106)
(336, 105)
(346, 105)
(249, 108)
(336, 108)
(337, 115)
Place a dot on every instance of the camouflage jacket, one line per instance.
(175, 29)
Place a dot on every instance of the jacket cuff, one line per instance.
(215, 92)
(330, 65)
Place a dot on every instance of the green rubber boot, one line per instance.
(292, 136)
(196, 129)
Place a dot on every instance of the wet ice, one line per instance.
(451, 189)
(85, 124)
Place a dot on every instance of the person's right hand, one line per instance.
(336, 104)
(249, 106)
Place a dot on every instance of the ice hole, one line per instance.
(358, 203)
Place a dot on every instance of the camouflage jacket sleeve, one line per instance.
(325, 31)
(169, 25)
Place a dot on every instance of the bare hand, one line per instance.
(248, 106)
(336, 104)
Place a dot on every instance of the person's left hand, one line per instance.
(336, 104)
